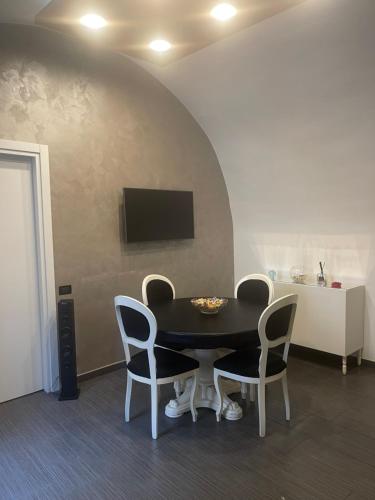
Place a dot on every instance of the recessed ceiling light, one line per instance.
(223, 11)
(160, 45)
(93, 21)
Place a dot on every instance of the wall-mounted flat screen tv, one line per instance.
(156, 214)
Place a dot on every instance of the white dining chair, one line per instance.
(157, 288)
(154, 365)
(257, 289)
(262, 366)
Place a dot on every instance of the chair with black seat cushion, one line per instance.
(153, 365)
(156, 289)
(257, 289)
(262, 366)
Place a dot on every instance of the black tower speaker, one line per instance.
(67, 351)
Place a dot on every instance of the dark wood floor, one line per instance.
(83, 449)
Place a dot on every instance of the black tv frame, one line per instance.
(176, 233)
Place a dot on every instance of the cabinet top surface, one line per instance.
(346, 285)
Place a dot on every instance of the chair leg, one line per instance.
(154, 410)
(262, 409)
(219, 395)
(252, 393)
(284, 382)
(129, 384)
(193, 392)
(243, 390)
(359, 357)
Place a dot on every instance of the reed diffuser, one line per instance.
(321, 279)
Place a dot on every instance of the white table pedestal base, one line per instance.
(206, 396)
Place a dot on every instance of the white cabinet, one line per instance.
(328, 319)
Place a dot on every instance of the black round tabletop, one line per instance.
(180, 324)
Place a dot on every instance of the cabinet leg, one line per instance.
(359, 357)
(344, 365)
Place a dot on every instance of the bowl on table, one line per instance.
(209, 305)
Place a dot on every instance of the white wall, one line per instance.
(289, 106)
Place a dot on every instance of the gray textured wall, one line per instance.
(109, 124)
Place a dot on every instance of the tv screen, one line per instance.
(155, 214)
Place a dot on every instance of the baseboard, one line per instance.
(323, 357)
(101, 371)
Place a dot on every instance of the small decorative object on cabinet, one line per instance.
(336, 284)
(272, 274)
(298, 274)
(328, 319)
(320, 278)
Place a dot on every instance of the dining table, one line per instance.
(182, 326)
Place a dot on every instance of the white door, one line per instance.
(20, 335)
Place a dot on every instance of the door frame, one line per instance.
(38, 156)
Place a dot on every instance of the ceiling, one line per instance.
(20, 11)
(187, 24)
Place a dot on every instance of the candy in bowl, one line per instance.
(209, 305)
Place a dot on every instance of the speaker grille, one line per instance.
(67, 350)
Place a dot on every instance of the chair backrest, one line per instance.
(256, 288)
(137, 326)
(275, 328)
(157, 288)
